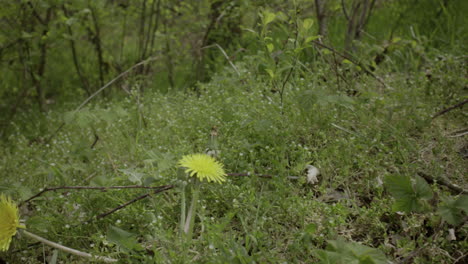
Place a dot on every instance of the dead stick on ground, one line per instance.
(168, 187)
(91, 188)
(446, 110)
(454, 188)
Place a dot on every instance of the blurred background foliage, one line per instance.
(54, 52)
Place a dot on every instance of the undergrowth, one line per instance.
(356, 141)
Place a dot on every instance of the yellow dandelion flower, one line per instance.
(9, 221)
(203, 167)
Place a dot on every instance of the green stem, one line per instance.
(182, 209)
(192, 211)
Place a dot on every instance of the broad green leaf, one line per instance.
(125, 240)
(340, 251)
(451, 210)
(399, 186)
(406, 205)
(462, 203)
(268, 17)
(422, 189)
(408, 195)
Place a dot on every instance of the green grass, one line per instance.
(354, 141)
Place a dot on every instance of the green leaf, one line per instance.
(408, 195)
(268, 17)
(451, 210)
(309, 39)
(308, 99)
(133, 176)
(340, 251)
(307, 24)
(462, 203)
(311, 228)
(399, 186)
(406, 205)
(422, 188)
(270, 72)
(125, 240)
(270, 47)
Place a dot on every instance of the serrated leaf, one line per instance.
(422, 188)
(450, 210)
(340, 251)
(462, 203)
(399, 186)
(407, 194)
(406, 205)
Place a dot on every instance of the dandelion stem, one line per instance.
(67, 249)
(182, 209)
(189, 222)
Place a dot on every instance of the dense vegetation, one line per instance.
(97, 95)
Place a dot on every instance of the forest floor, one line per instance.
(387, 188)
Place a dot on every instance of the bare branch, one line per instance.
(105, 188)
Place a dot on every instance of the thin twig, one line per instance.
(67, 249)
(344, 56)
(225, 55)
(100, 90)
(90, 188)
(164, 188)
(459, 133)
(260, 175)
(446, 110)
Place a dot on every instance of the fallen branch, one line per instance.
(446, 110)
(162, 189)
(452, 187)
(67, 249)
(90, 188)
